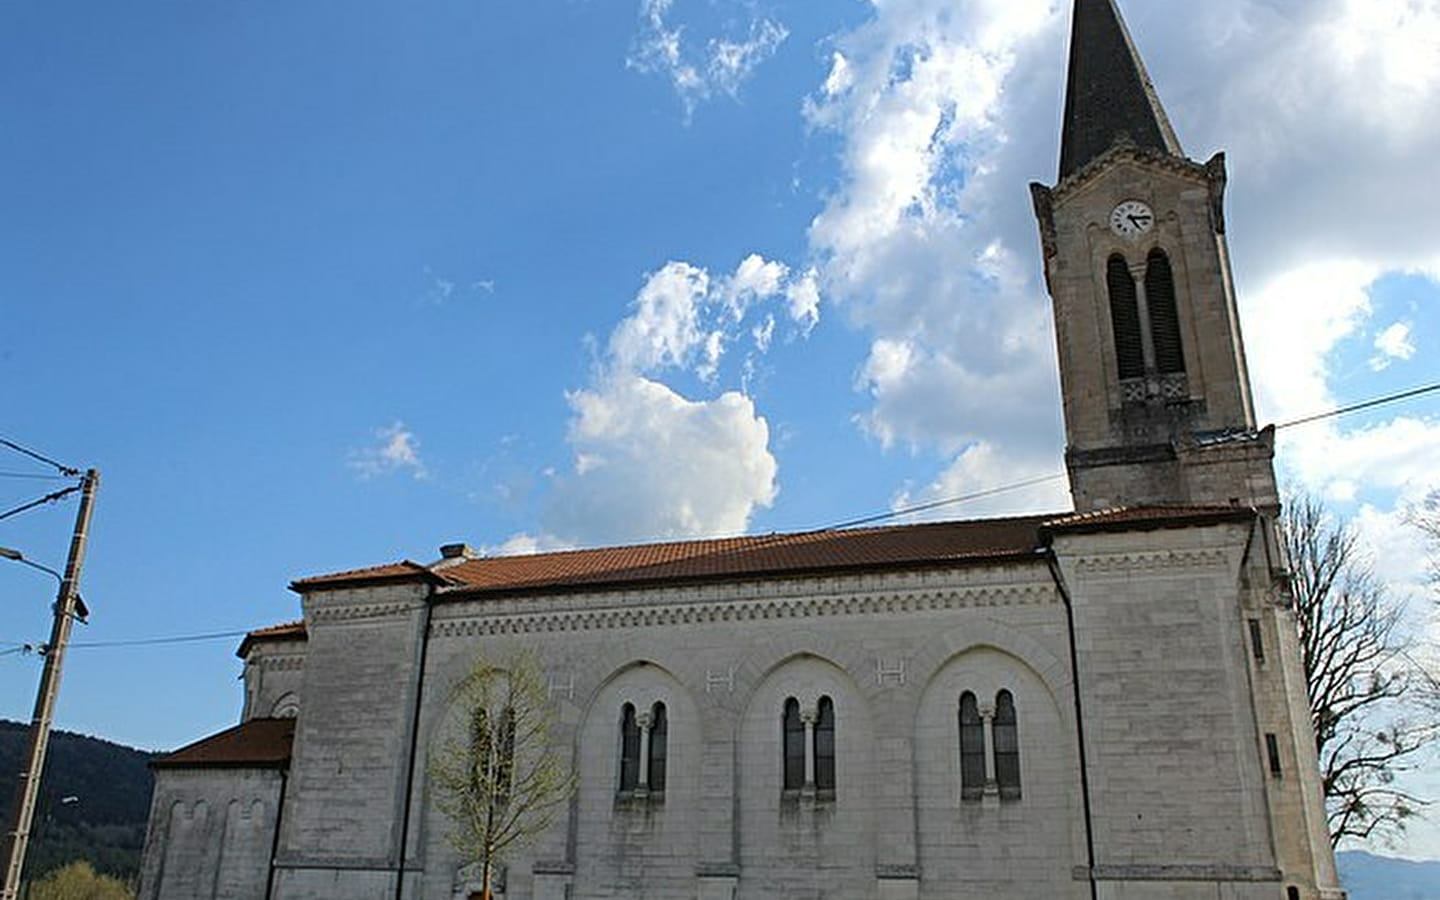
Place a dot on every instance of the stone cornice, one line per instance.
(709, 606)
(1125, 151)
(338, 613)
(1150, 561)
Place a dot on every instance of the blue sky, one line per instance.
(328, 284)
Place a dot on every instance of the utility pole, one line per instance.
(27, 789)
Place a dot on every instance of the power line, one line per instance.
(70, 471)
(173, 639)
(936, 504)
(48, 498)
(990, 492)
(38, 476)
(1364, 404)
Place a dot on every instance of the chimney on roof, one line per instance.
(456, 552)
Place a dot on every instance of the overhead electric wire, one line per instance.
(48, 498)
(173, 639)
(935, 504)
(64, 469)
(38, 476)
(1364, 404)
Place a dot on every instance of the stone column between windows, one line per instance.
(808, 717)
(1142, 312)
(987, 718)
(643, 722)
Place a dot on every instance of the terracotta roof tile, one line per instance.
(286, 631)
(256, 744)
(1132, 517)
(403, 570)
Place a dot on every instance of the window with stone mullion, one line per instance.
(659, 738)
(629, 749)
(1007, 747)
(972, 749)
(825, 746)
(793, 737)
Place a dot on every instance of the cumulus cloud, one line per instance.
(1328, 110)
(650, 463)
(1392, 344)
(395, 449)
(701, 69)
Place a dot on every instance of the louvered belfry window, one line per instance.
(1125, 319)
(1164, 319)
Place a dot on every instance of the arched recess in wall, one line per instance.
(286, 706)
(639, 754)
(828, 824)
(1029, 792)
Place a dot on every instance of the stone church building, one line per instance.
(1106, 703)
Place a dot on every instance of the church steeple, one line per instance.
(1157, 398)
(1108, 94)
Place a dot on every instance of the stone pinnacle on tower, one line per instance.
(1108, 94)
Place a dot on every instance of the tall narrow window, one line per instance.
(1164, 319)
(1125, 319)
(825, 746)
(1272, 750)
(1007, 747)
(972, 749)
(794, 750)
(629, 749)
(481, 741)
(1257, 644)
(659, 737)
(504, 756)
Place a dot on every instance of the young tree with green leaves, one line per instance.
(79, 881)
(496, 773)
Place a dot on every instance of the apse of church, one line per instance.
(1099, 704)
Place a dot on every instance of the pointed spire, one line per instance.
(1108, 94)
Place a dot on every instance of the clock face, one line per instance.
(1131, 219)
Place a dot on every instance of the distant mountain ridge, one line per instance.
(1370, 877)
(94, 800)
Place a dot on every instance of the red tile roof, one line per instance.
(256, 744)
(777, 555)
(1145, 517)
(404, 570)
(287, 631)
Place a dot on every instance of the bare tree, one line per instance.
(1357, 673)
(497, 773)
(1425, 516)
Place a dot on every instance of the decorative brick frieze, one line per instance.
(1172, 560)
(531, 616)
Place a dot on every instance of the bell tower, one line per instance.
(1157, 400)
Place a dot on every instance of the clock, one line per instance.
(1131, 219)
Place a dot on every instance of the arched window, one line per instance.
(825, 746)
(972, 749)
(481, 742)
(629, 749)
(1125, 319)
(505, 755)
(659, 737)
(794, 751)
(1007, 747)
(1164, 319)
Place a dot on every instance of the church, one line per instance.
(1103, 703)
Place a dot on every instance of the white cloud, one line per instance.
(721, 65)
(1392, 344)
(396, 449)
(649, 463)
(986, 482)
(1329, 109)
(659, 465)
